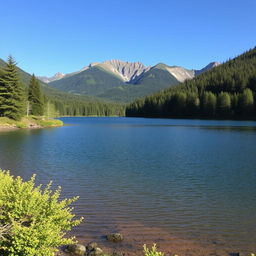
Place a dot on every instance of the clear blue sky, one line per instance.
(59, 35)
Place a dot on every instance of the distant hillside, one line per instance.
(47, 80)
(72, 104)
(121, 81)
(153, 80)
(93, 81)
(227, 91)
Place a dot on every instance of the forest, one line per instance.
(22, 94)
(224, 92)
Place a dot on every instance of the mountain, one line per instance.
(208, 67)
(155, 79)
(72, 104)
(227, 91)
(47, 80)
(126, 71)
(121, 81)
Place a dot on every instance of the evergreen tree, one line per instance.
(50, 110)
(226, 91)
(35, 97)
(209, 104)
(223, 104)
(193, 104)
(11, 92)
(246, 102)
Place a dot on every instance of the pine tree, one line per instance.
(35, 97)
(11, 92)
(209, 104)
(246, 102)
(223, 104)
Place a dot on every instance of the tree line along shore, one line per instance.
(20, 106)
(227, 91)
(26, 102)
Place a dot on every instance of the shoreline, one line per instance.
(30, 122)
(170, 243)
(8, 128)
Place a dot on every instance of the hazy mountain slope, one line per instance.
(157, 76)
(155, 79)
(47, 80)
(104, 80)
(206, 68)
(92, 81)
(122, 81)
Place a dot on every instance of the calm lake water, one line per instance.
(189, 185)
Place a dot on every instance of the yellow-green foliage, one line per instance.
(7, 121)
(36, 219)
(49, 122)
(26, 122)
(152, 252)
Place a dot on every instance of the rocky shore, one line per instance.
(92, 248)
(135, 234)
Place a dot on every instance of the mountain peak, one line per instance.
(160, 65)
(127, 71)
(130, 72)
(59, 75)
(47, 80)
(207, 67)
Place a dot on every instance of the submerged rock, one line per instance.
(118, 254)
(115, 237)
(96, 252)
(91, 246)
(76, 249)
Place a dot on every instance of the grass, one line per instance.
(29, 122)
(49, 122)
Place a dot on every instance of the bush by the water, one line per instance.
(33, 221)
(152, 252)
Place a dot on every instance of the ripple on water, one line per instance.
(188, 185)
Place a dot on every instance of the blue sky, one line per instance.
(60, 35)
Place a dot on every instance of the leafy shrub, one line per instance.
(152, 252)
(4, 231)
(35, 218)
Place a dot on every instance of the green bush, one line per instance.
(152, 252)
(33, 220)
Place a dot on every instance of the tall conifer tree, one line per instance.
(11, 92)
(35, 97)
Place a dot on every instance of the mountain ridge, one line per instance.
(130, 71)
(121, 81)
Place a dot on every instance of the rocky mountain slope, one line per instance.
(122, 81)
(47, 80)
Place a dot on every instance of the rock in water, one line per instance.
(76, 249)
(96, 252)
(115, 237)
(118, 254)
(91, 246)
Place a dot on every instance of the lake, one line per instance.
(188, 185)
